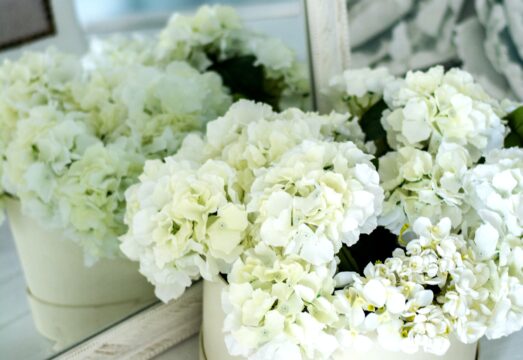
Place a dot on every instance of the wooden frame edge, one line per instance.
(146, 334)
(329, 46)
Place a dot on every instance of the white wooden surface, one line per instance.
(329, 47)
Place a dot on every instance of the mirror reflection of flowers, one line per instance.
(75, 132)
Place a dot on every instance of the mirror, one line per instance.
(419, 34)
(59, 293)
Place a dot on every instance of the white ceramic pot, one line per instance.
(68, 300)
(212, 344)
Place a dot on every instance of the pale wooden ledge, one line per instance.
(146, 334)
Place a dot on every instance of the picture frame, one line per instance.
(63, 30)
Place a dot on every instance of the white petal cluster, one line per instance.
(427, 108)
(30, 82)
(279, 307)
(185, 220)
(495, 192)
(316, 197)
(395, 302)
(446, 163)
(217, 33)
(75, 132)
(417, 183)
(356, 90)
(251, 136)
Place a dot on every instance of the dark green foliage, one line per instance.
(515, 123)
(376, 246)
(246, 80)
(371, 121)
(371, 125)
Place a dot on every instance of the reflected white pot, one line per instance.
(68, 300)
(212, 344)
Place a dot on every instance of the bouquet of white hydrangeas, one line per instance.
(325, 254)
(288, 180)
(75, 133)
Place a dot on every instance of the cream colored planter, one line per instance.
(212, 345)
(68, 300)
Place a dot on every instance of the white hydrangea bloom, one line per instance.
(356, 90)
(217, 27)
(185, 221)
(495, 192)
(44, 145)
(249, 140)
(207, 40)
(251, 136)
(316, 197)
(427, 108)
(417, 183)
(277, 304)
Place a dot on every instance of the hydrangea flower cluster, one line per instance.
(418, 183)
(495, 226)
(427, 108)
(254, 181)
(458, 177)
(434, 126)
(215, 39)
(279, 306)
(75, 132)
(72, 153)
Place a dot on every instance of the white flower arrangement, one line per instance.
(75, 132)
(264, 177)
(292, 210)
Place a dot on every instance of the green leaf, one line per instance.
(247, 80)
(371, 121)
(515, 123)
(371, 125)
(347, 261)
